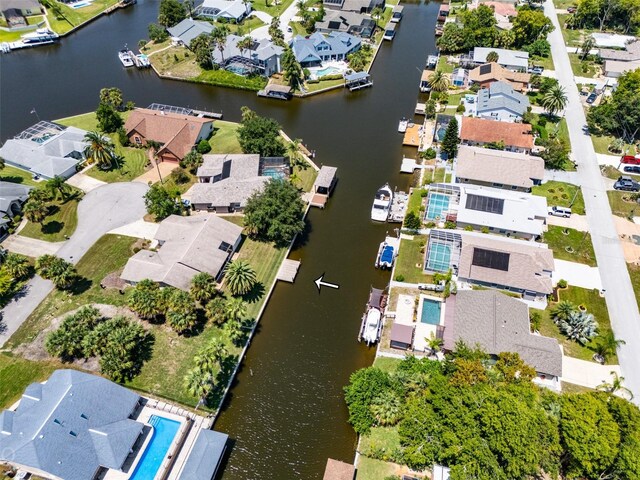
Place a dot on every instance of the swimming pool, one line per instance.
(430, 312)
(80, 4)
(439, 257)
(436, 204)
(164, 431)
(274, 172)
(325, 71)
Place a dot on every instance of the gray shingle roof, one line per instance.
(337, 43)
(239, 166)
(226, 192)
(260, 51)
(188, 29)
(19, 5)
(500, 323)
(501, 95)
(205, 456)
(325, 177)
(70, 426)
(10, 193)
(507, 58)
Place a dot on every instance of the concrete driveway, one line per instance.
(31, 247)
(101, 210)
(577, 222)
(577, 274)
(620, 297)
(586, 374)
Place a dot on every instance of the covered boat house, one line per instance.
(357, 80)
(323, 186)
(402, 336)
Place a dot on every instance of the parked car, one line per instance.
(572, 9)
(630, 159)
(289, 29)
(632, 169)
(592, 97)
(536, 70)
(627, 184)
(557, 211)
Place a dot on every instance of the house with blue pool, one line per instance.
(317, 48)
(78, 426)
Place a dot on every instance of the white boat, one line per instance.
(41, 35)
(372, 326)
(382, 204)
(402, 126)
(386, 255)
(141, 60)
(125, 58)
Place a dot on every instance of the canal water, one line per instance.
(286, 413)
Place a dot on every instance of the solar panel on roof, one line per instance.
(484, 69)
(485, 204)
(490, 259)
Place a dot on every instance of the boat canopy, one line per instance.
(376, 298)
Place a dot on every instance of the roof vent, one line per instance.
(72, 433)
(55, 420)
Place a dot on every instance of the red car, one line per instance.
(630, 160)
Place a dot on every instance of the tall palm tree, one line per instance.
(203, 287)
(492, 57)
(587, 45)
(240, 277)
(607, 345)
(555, 99)
(245, 44)
(57, 185)
(615, 386)
(235, 309)
(219, 38)
(199, 384)
(293, 152)
(439, 81)
(35, 211)
(434, 343)
(99, 150)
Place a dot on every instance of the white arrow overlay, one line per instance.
(319, 283)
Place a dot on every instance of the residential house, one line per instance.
(501, 102)
(186, 247)
(498, 169)
(14, 11)
(611, 40)
(631, 53)
(224, 10)
(492, 261)
(502, 12)
(46, 150)
(509, 213)
(516, 137)
(75, 426)
(262, 57)
(205, 456)
(460, 77)
(499, 323)
(615, 68)
(225, 182)
(511, 59)
(485, 75)
(177, 133)
(12, 197)
(318, 48)
(188, 29)
(353, 23)
(359, 6)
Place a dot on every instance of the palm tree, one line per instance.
(99, 150)
(215, 310)
(293, 152)
(377, 12)
(492, 57)
(587, 45)
(17, 265)
(198, 384)
(580, 327)
(1, 163)
(181, 313)
(439, 81)
(555, 99)
(235, 309)
(240, 277)
(219, 38)
(607, 345)
(145, 301)
(434, 343)
(203, 287)
(562, 310)
(615, 386)
(245, 44)
(386, 408)
(35, 211)
(56, 185)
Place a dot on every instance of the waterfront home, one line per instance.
(262, 57)
(498, 169)
(460, 77)
(233, 11)
(505, 212)
(492, 261)
(352, 23)
(359, 6)
(178, 133)
(225, 182)
(185, 246)
(14, 11)
(499, 323)
(12, 197)
(317, 48)
(501, 102)
(188, 29)
(46, 150)
(516, 60)
(485, 75)
(516, 137)
(337, 470)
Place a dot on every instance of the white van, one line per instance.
(560, 211)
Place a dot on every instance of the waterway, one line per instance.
(286, 413)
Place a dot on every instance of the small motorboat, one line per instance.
(141, 60)
(125, 57)
(371, 332)
(402, 126)
(386, 255)
(382, 204)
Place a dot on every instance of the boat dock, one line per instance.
(6, 47)
(279, 92)
(413, 135)
(123, 4)
(420, 108)
(377, 300)
(288, 270)
(410, 164)
(323, 186)
(358, 80)
(205, 114)
(140, 60)
(398, 207)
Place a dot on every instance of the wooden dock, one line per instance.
(288, 270)
(413, 135)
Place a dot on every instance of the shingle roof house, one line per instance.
(178, 133)
(360, 6)
(499, 323)
(337, 470)
(187, 246)
(631, 53)
(263, 57)
(318, 48)
(495, 168)
(70, 426)
(488, 73)
(512, 59)
(501, 102)
(188, 29)
(516, 137)
(46, 150)
(350, 22)
(235, 10)
(9, 8)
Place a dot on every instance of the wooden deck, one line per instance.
(412, 135)
(319, 200)
(288, 270)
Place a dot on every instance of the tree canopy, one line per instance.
(160, 202)
(171, 13)
(260, 135)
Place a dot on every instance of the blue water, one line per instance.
(438, 203)
(81, 4)
(430, 312)
(326, 71)
(387, 254)
(439, 257)
(273, 173)
(164, 431)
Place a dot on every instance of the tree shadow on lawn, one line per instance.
(81, 285)
(11, 178)
(255, 294)
(52, 227)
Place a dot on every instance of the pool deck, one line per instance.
(424, 330)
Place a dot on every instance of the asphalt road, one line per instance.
(103, 209)
(619, 294)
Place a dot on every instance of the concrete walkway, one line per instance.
(31, 247)
(620, 297)
(577, 274)
(85, 182)
(101, 210)
(586, 374)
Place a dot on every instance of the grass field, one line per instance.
(409, 257)
(580, 242)
(17, 373)
(622, 205)
(225, 137)
(386, 364)
(601, 145)
(14, 35)
(272, 7)
(249, 24)
(322, 84)
(380, 440)
(304, 177)
(16, 175)
(370, 469)
(70, 18)
(582, 69)
(60, 223)
(634, 273)
(562, 195)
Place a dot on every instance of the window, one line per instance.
(225, 247)
(498, 185)
(137, 139)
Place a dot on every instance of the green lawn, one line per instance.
(297, 28)
(546, 62)
(272, 7)
(580, 242)
(304, 177)
(387, 364)
(613, 173)
(594, 304)
(601, 145)
(634, 273)
(583, 69)
(322, 84)
(409, 262)
(564, 4)
(445, 66)
(370, 469)
(380, 441)
(60, 223)
(562, 195)
(71, 18)
(572, 37)
(415, 200)
(13, 35)
(434, 176)
(16, 175)
(248, 25)
(225, 138)
(17, 373)
(223, 78)
(622, 205)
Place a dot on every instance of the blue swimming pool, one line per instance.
(164, 431)
(439, 257)
(436, 204)
(430, 312)
(273, 172)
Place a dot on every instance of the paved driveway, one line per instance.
(31, 247)
(587, 374)
(100, 211)
(620, 297)
(577, 274)
(577, 222)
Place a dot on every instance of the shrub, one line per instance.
(562, 283)
(412, 221)
(542, 121)
(468, 228)
(460, 109)
(203, 147)
(450, 225)
(484, 229)
(399, 278)
(122, 137)
(180, 176)
(428, 154)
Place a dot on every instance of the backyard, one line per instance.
(562, 195)
(571, 245)
(409, 263)
(17, 373)
(70, 18)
